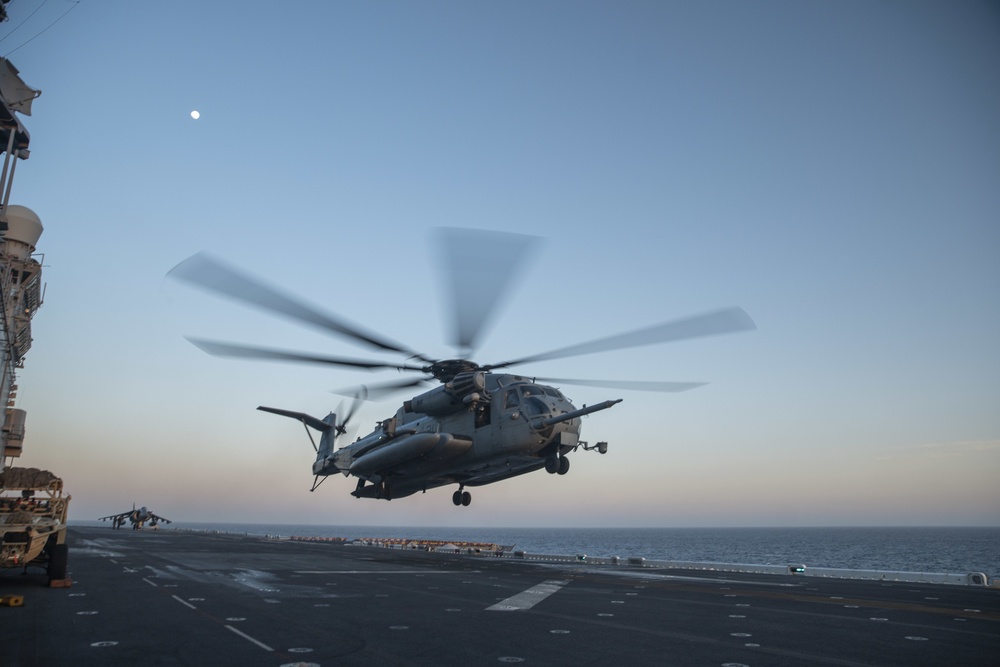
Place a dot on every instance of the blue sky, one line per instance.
(831, 167)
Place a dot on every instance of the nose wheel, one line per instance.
(461, 497)
(557, 465)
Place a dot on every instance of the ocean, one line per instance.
(956, 550)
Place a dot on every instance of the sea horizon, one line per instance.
(935, 549)
(92, 522)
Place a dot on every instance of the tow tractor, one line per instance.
(33, 522)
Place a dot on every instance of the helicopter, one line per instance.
(476, 426)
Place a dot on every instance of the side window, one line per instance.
(511, 399)
(483, 409)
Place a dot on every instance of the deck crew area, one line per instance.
(178, 598)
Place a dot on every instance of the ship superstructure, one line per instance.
(20, 271)
(33, 507)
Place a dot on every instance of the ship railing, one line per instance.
(962, 579)
(796, 570)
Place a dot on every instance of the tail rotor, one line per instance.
(340, 427)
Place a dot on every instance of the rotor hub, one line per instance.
(446, 369)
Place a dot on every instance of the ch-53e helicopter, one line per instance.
(476, 426)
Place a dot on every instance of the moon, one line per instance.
(195, 115)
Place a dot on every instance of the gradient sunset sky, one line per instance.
(831, 167)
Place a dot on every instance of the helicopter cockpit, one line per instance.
(536, 400)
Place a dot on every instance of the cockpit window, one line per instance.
(552, 392)
(535, 407)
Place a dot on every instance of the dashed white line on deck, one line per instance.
(250, 639)
(184, 602)
(529, 598)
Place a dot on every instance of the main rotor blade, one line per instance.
(377, 391)
(635, 385)
(201, 270)
(219, 349)
(727, 320)
(479, 269)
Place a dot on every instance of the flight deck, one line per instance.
(191, 598)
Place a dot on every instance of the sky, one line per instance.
(830, 167)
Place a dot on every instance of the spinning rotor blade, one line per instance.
(478, 268)
(377, 391)
(627, 384)
(359, 398)
(232, 350)
(212, 275)
(727, 320)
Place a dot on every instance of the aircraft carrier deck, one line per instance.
(178, 598)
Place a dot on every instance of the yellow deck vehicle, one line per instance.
(33, 521)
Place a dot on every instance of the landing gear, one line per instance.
(563, 465)
(557, 465)
(378, 488)
(461, 497)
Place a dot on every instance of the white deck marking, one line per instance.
(250, 639)
(184, 602)
(529, 598)
(150, 582)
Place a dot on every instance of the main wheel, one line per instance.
(552, 465)
(563, 465)
(466, 498)
(457, 498)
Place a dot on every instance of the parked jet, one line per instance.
(137, 517)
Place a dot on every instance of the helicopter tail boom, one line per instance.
(308, 420)
(324, 465)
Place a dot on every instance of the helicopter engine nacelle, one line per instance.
(463, 390)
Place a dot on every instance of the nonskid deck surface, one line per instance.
(175, 598)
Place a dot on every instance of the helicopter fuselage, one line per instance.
(476, 429)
